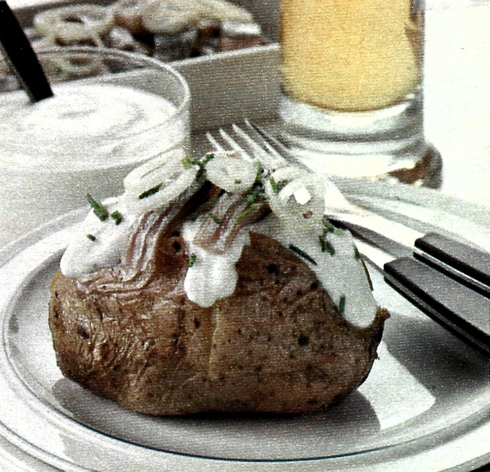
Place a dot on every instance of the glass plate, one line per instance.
(425, 405)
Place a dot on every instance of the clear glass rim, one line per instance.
(182, 105)
(139, 59)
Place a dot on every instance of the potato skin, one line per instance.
(277, 345)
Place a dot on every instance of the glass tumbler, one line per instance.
(111, 111)
(352, 95)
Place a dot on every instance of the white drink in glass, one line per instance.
(84, 139)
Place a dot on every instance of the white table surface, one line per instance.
(457, 98)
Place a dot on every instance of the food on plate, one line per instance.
(215, 285)
(166, 29)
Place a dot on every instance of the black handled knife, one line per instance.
(456, 305)
(469, 264)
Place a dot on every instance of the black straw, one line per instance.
(21, 55)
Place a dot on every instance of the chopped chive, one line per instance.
(274, 186)
(192, 260)
(214, 218)
(207, 158)
(328, 228)
(357, 254)
(342, 304)
(326, 245)
(238, 181)
(322, 243)
(117, 217)
(260, 171)
(249, 209)
(338, 232)
(254, 195)
(302, 254)
(150, 191)
(191, 161)
(251, 198)
(91, 237)
(188, 162)
(100, 210)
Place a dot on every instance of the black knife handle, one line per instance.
(457, 307)
(22, 57)
(466, 259)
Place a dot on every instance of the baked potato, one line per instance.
(277, 342)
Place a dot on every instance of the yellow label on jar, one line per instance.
(350, 55)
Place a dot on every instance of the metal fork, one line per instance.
(258, 145)
(272, 154)
(451, 285)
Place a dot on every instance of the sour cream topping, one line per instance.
(337, 267)
(98, 243)
(213, 276)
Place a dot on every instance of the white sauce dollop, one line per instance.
(341, 274)
(98, 243)
(213, 276)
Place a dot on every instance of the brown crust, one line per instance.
(276, 345)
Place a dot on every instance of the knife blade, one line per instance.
(465, 262)
(455, 306)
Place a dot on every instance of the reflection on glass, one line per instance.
(351, 75)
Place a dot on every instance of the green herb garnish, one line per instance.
(150, 191)
(188, 162)
(214, 218)
(274, 186)
(100, 210)
(192, 260)
(342, 304)
(207, 158)
(238, 181)
(249, 209)
(260, 171)
(302, 254)
(328, 228)
(91, 237)
(117, 217)
(357, 254)
(326, 245)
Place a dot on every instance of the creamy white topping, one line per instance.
(212, 276)
(338, 268)
(98, 243)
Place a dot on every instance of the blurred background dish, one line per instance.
(167, 30)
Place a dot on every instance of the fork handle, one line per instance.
(457, 307)
(473, 262)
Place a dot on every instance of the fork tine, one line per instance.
(234, 145)
(267, 160)
(273, 145)
(217, 146)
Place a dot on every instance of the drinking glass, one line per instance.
(111, 111)
(352, 95)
